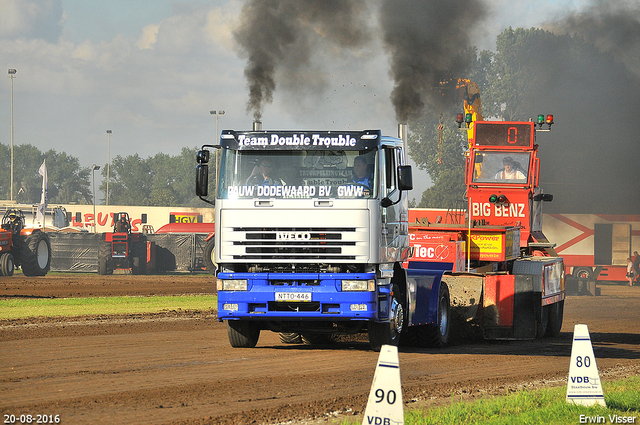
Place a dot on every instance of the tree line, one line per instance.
(160, 180)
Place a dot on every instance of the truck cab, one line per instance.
(311, 232)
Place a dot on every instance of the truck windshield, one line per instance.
(502, 167)
(298, 174)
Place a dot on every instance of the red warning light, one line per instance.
(549, 119)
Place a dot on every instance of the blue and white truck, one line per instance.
(304, 246)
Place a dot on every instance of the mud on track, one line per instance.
(177, 367)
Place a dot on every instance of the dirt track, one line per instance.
(178, 367)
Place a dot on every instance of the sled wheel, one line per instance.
(556, 312)
(543, 322)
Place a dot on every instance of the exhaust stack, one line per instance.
(402, 134)
(257, 125)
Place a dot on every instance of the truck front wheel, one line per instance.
(243, 333)
(388, 333)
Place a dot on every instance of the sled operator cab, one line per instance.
(502, 177)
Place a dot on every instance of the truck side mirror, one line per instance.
(202, 178)
(405, 177)
(405, 182)
(202, 172)
(202, 157)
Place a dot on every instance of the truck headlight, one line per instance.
(359, 285)
(232, 284)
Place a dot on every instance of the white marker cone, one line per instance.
(584, 386)
(385, 399)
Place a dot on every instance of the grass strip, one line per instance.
(20, 308)
(544, 406)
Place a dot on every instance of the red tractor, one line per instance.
(29, 249)
(122, 249)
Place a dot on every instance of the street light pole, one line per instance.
(12, 73)
(94, 167)
(217, 140)
(108, 166)
(217, 114)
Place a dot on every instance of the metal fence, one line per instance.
(78, 252)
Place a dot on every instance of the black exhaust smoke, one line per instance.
(591, 164)
(425, 40)
(281, 35)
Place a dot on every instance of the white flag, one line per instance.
(43, 198)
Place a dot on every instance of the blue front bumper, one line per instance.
(327, 300)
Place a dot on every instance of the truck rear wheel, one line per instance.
(316, 339)
(35, 253)
(388, 333)
(290, 338)
(438, 335)
(7, 264)
(243, 333)
(556, 313)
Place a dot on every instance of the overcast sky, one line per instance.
(151, 71)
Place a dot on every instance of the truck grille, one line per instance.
(293, 243)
